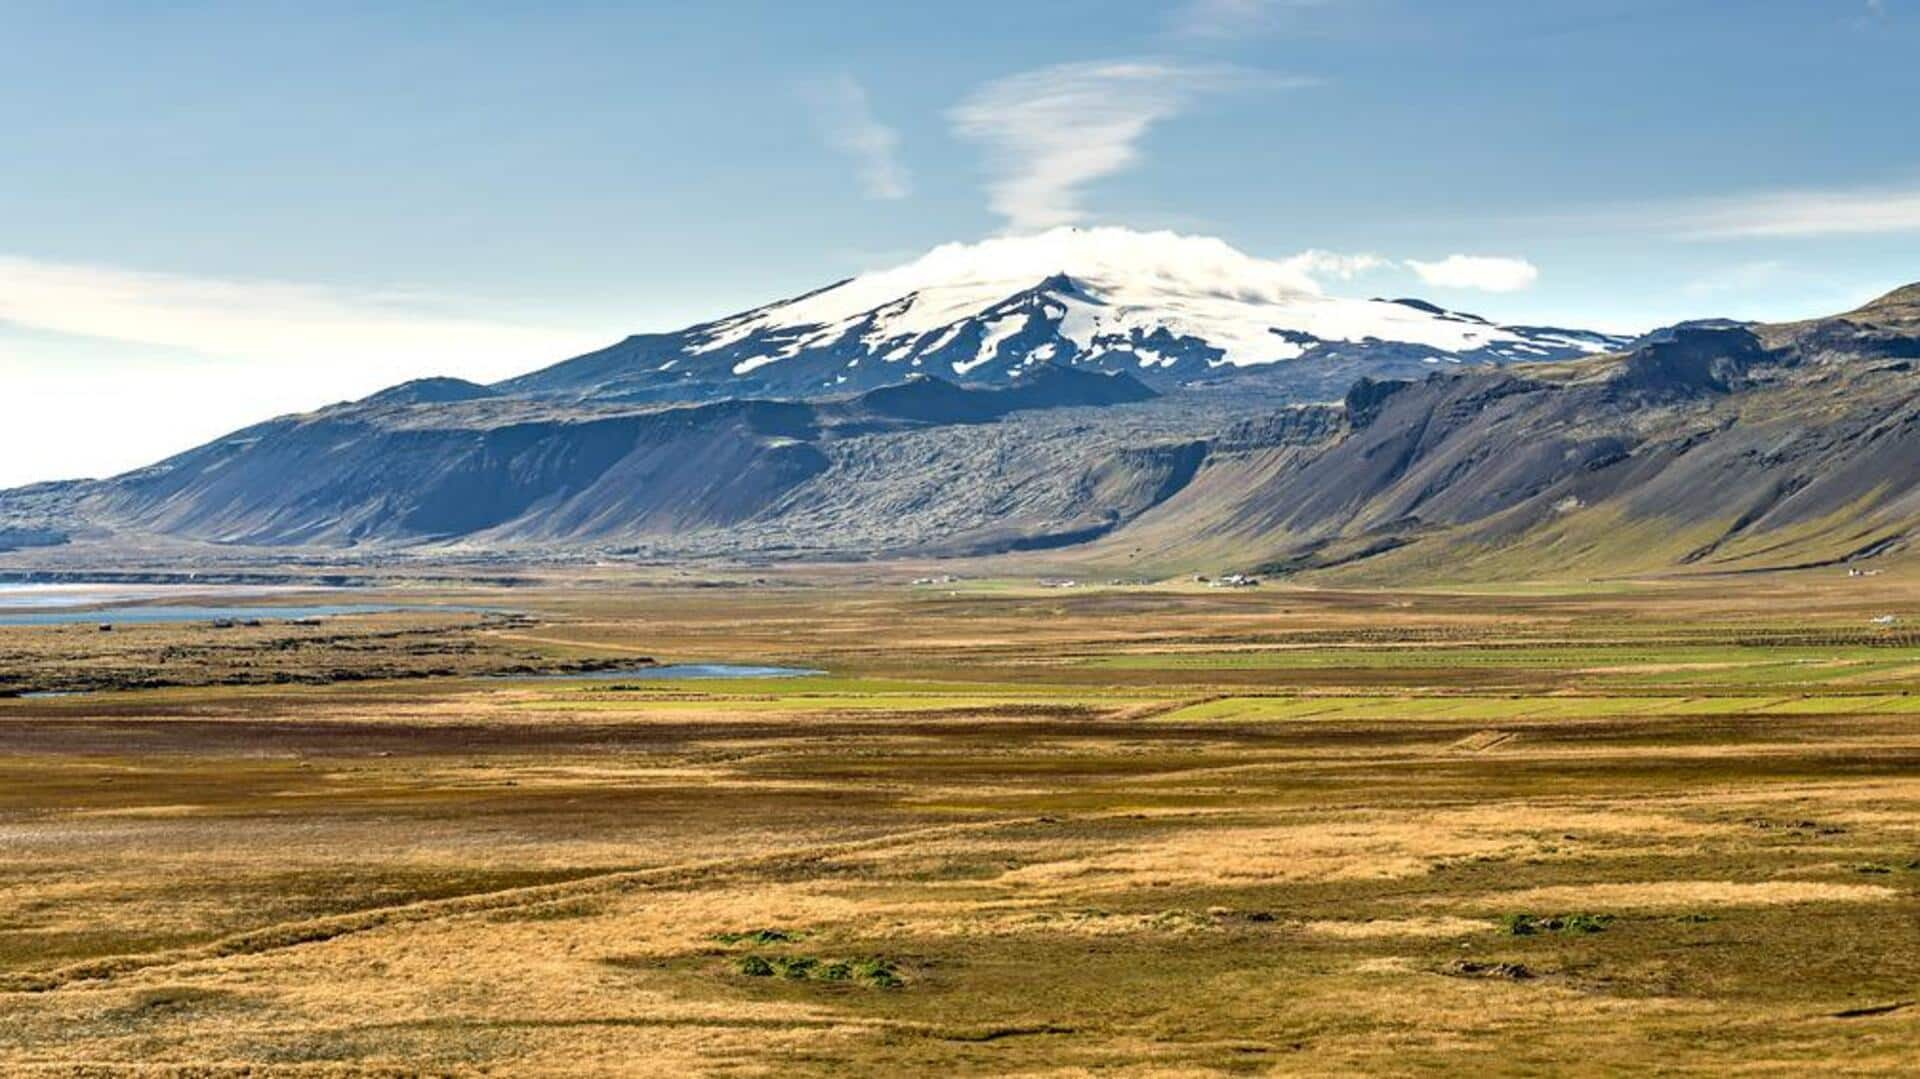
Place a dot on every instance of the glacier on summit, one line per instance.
(1169, 308)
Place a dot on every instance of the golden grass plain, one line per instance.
(1665, 827)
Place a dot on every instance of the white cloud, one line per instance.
(106, 369)
(1841, 212)
(269, 322)
(846, 121)
(1886, 210)
(73, 413)
(1735, 280)
(1482, 272)
(1233, 18)
(1318, 264)
(1050, 132)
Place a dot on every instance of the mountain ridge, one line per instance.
(394, 469)
(1716, 448)
(1708, 446)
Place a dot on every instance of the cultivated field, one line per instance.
(1009, 830)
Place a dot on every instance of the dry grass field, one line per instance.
(1010, 830)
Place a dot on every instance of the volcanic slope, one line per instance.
(444, 462)
(1711, 447)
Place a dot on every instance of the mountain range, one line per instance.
(1138, 400)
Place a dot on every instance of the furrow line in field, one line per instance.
(315, 930)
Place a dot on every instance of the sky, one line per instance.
(214, 213)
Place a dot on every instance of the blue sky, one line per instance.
(210, 213)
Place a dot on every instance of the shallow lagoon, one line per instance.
(73, 604)
(17, 596)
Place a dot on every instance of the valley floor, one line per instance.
(1011, 830)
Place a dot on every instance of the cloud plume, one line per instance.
(844, 115)
(1049, 133)
(1234, 18)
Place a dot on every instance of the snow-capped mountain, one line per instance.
(1170, 309)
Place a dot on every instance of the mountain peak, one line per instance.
(1061, 282)
(1171, 308)
(1902, 305)
(970, 275)
(429, 391)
